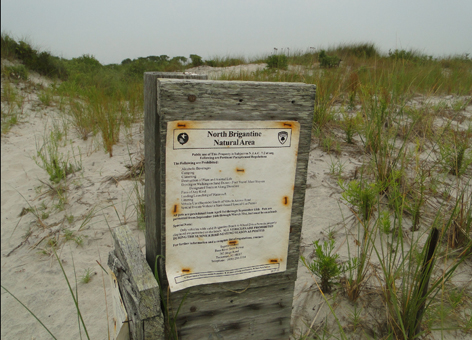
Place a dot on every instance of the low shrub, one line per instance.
(409, 55)
(224, 62)
(84, 64)
(324, 264)
(18, 72)
(327, 61)
(278, 61)
(362, 50)
(211, 63)
(8, 47)
(42, 62)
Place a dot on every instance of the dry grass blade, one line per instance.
(135, 172)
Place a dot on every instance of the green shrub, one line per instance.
(455, 156)
(16, 72)
(8, 120)
(409, 55)
(46, 96)
(211, 63)
(363, 50)
(136, 69)
(26, 53)
(42, 62)
(328, 61)
(361, 195)
(279, 61)
(49, 158)
(48, 65)
(178, 60)
(324, 264)
(8, 47)
(85, 64)
(224, 62)
(196, 60)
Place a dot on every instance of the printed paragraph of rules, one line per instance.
(229, 190)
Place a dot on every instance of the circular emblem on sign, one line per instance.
(182, 138)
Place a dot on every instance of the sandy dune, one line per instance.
(30, 270)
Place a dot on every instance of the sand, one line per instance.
(30, 270)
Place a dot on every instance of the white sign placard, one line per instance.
(229, 190)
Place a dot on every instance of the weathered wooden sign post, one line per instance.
(225, 186)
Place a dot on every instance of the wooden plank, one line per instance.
(251, 101)
(234, 100)
(152, 156)
(235, 315)
(138, 286)
(120, 317)
(275, 326)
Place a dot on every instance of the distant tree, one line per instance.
(126, 61)
(86, 63)
(136, 69)
(153, 58)
(163, 58)
(179, 59)
(196, 60)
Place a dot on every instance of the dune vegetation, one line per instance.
(406, 118)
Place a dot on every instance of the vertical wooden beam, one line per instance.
(152, 159)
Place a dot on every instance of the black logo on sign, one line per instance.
(283, 136)
(182, 138)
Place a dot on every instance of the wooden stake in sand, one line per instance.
(225, 172)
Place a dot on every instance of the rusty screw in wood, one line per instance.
(192, 98)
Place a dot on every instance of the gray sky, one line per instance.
(116, 30)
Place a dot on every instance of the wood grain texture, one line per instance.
(152, 156)
(257, 313)
(120, 317)
(138, 286)
(250, 101)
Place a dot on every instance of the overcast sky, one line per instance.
(119, 29)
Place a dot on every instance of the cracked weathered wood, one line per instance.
(256, 308)
(138, 287)
(151, 152)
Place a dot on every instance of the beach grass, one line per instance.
(407, 114)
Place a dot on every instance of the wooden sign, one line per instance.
(225, 186)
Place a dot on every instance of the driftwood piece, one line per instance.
(256, 308)
(138, 287)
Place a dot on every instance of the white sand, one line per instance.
(36, 279)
